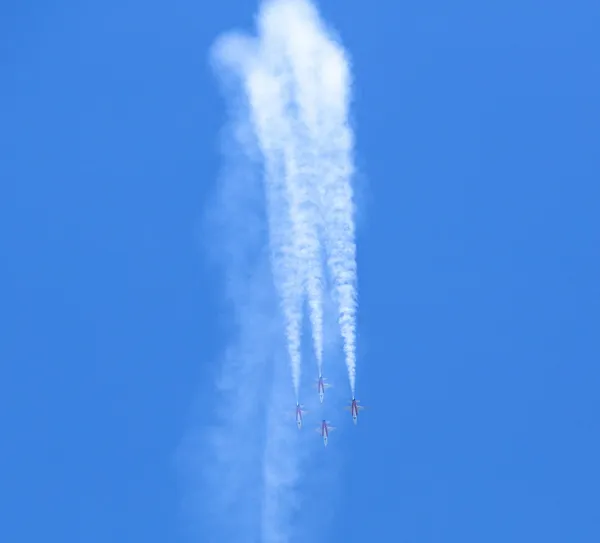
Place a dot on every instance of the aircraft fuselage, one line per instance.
(354, 410)
(321, 387)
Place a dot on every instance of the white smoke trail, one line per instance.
(300, 47)
(334, 142)
(301, 75)
(319, 80)
(340, 240)
(221, 483)
(267, 112)
(289, 76)
(282, 109)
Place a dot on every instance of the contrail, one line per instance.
(267, 113)
(242, 472)
(222, 464)
(279, 79)
(316, 71)
(292, 82)
(335, 144)
(298, 83)
(340, 237)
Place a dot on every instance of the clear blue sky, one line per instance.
(478, 133)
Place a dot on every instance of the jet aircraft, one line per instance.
(354, 409)
(321, 386)
(324, 430)
(299, 412)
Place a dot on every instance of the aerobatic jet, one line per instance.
(299, 412)
(324, 430)
(354, 409)
(321, 386)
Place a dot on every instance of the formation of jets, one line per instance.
(325, 427)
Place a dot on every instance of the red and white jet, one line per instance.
(299, 412)
(354, 409)
(321, 386)
(324, 430)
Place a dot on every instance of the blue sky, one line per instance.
(477, 131)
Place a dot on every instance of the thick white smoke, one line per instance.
(315, 71)
(267, 103)
(294, 81)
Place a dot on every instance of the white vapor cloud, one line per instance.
(297, 82)
(284, 215)
(319, 80)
